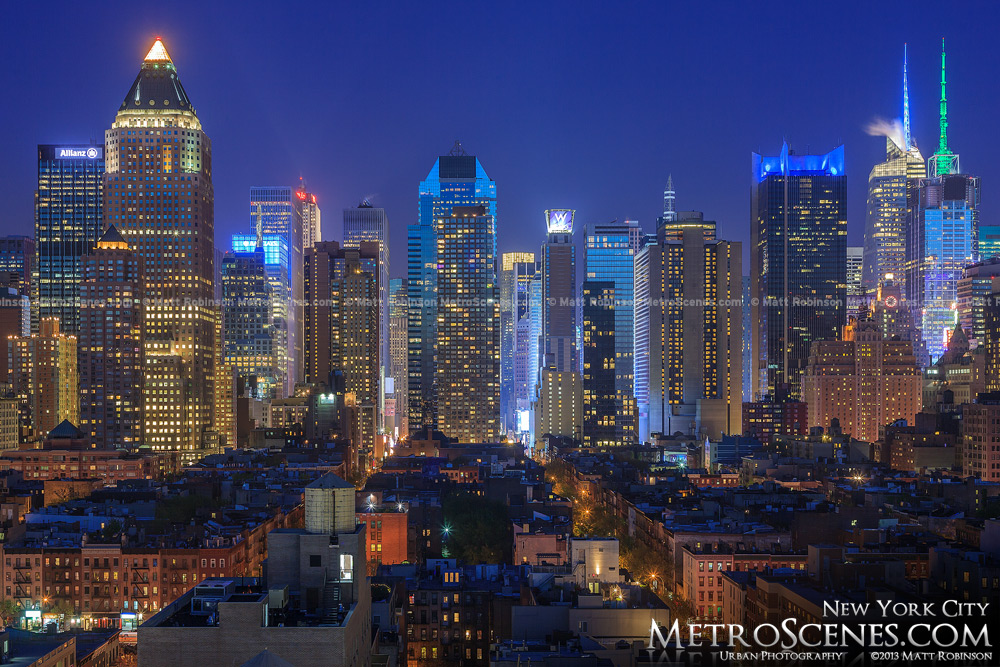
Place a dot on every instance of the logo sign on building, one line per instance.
(79, 152)
(559, 220)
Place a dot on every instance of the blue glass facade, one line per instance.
(68, 223)
(456, 179)
(609, 256)
(942, 243)
(798, 261)
(248, 333)
(279, 210)
(276, 266)
(989, 241)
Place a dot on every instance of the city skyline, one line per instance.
(684, 141)
(548, 384)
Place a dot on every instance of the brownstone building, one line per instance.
(99, 581)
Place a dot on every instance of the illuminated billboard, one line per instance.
(559, 220)
(71, 152)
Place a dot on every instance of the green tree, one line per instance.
(10, 611)
(111, 531)
(476, 529)
(60, 606)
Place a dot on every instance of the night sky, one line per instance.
(566, 104)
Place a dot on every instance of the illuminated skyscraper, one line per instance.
(557, 347)
(251, 339)
(517, 270)
(312, 231)
(468, 332)
(943, 244)
(279, 210)
(525, 371)
(975, 290)
(282, 366)
(68, 222)
(44, 377)
(892, 186)
(672, 230)
(559, 407)
(398, 304)
(864, 380)
(342, 338)
(689, 325)
(942, 240)
(798, 261)
(535, 314)
(600, 396)
(609, 256)
(111, 352)
(456, 179)
(943, 161)
(158, 194)
(368, 223)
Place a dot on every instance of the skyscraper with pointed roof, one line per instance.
(158, 194)
(943, 161)
(892, 185)
(943, 239)
(111, 350)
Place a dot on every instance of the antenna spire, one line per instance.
(669, 196)
(906, 107)
(943, 144)
(943, 161)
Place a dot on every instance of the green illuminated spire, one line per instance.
(943, 143)
(943, 161)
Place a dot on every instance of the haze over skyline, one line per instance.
(359, 100)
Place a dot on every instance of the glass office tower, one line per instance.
(68, 223)
(892, 185)
(278, 210)
(942, 240)
(609, 256)
(798, 261)
(456, 179)
(248, 334)
(276, 261)
(517, 270)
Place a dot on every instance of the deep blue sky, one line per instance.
(566, 104)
